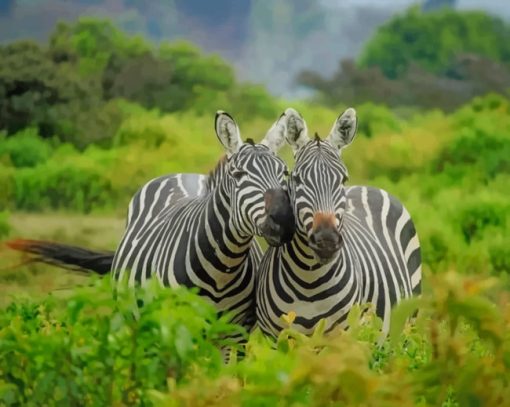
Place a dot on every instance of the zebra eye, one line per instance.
(296, 178)
(239, 174)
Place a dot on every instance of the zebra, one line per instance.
(197, 231)
(352, 245)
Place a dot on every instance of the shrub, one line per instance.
(7, 187)
(25, 148)
(477, 216)
(439, 247)
(499, 253)
(376, 119)
(248, 101)
(486, 154)
(62, 185)
(89, 349)
(431, 40)
(4, 224)
(145, 129)
(481, 144)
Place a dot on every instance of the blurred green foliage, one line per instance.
(482, 144)
(25, 149)
(433, 60)
(90, 349)
(451, 171)
(431, 40)
(87, 348)
(36, 91)
(4, 224)
(69, 88)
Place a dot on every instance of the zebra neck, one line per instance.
(304, 257)
(221, 243)
(338, 279)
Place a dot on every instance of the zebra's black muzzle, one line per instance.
(326, 242)
(279, 225)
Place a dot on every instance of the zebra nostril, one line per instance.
(325, 238)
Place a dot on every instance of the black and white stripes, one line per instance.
(352, 244)
(197, 231)
(332, 246)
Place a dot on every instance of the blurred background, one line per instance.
(99, 96)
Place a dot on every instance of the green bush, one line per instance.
(488, 103)
(431, 40)
(478, 216)
(57, 185)
(481, 145)
(476, 151)
(248, 101)
(69, 88)
(25, 148)
(439, 247)
(7, 187)
(87, 349)
(376, 119)
(144, 128)
(4, 224)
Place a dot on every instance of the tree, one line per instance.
(422, 60)
(167, 78)
(144, 79)
(465, 77)
(35, 91)
(68, 89)
(432, 40)
(93, 42)
(193, 73)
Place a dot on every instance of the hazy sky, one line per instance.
(500, 7)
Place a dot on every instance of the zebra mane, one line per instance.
(216, 173)
(317, 138)
(250, 141)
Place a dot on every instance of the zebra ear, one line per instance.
(228, 132)
(275, 137)
(296, 132)
(343, 131)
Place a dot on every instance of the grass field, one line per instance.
(93, 231)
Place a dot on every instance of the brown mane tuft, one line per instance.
(317, 138)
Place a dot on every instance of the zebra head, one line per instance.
(258, 191)
(317, 182)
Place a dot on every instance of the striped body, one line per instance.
(198, 231)
(174, 233)
(380, 263)
(352, 245)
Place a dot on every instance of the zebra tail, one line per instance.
(65, 256)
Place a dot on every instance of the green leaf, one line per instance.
(400, 315)
(183, 342)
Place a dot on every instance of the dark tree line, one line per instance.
(64, 88)
(432, 60)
